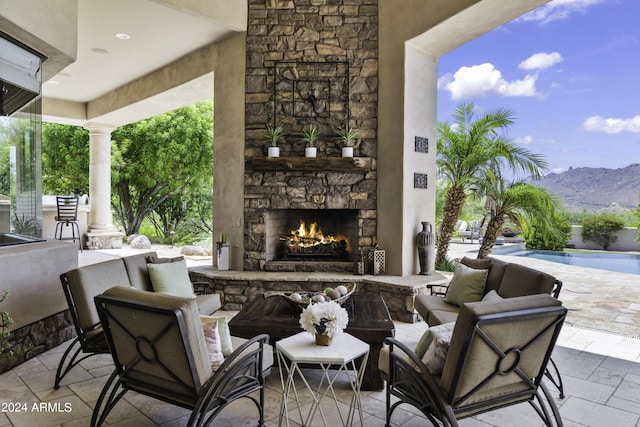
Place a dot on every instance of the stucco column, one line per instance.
(229, 135)
(101, 232)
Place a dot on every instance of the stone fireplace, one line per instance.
(310, 64)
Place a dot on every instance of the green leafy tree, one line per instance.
(466, 149)
(518, 202)
(155, 159)
(601, 229)
(185, 213)
(65, 159)
(5, 170)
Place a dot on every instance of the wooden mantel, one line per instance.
(341, 164)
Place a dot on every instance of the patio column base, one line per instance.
(104, 240)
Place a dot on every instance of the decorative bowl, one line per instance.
(307, 298)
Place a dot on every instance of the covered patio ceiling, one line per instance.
(125, 49)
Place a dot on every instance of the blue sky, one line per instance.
(570, 70)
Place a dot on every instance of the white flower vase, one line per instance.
(273, 152)
(310, 151)
(347, 151)
(223, 257)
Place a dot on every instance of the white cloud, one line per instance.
(524, 140)
(558, 10)
(481, 80)
(612, 125)
(541, 61)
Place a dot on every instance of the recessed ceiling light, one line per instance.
(53, 82)
(123, 36)
(99, 50)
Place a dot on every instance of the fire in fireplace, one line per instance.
(310, 243)
(322, 237)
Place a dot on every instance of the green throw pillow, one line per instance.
(171, 278)
(467, 285)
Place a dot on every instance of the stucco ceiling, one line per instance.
(159, 33)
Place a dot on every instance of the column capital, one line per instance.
(99, 128)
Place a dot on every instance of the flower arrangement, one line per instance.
(324, 318)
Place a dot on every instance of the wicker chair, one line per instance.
(159, 350)
(497, 357)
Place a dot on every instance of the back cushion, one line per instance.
(91, 280)
(137, 270)
(519, 280)
(496, 270)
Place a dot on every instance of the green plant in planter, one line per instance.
(222, 242)
(309, 136)
(7, 354)
(273, 134)
(348, 136)
(24, 224)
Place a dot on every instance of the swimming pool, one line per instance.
(622, 263)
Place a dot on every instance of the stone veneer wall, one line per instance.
(310, 31)
(38, 337)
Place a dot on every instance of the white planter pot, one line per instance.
(310, 151)
(223, 257)
(347, 151)
(274, 152)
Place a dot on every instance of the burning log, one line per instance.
(311, 244)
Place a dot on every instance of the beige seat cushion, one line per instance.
(267, 361)
(434, 310)
(383, 359)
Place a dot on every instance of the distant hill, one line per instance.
(595, 188)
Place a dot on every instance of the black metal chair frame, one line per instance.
(67, 216)
(238, 377)
(92, 340)
(412, 383)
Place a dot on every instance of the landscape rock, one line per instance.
(194, 251)
(140, 242)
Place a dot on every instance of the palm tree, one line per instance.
(466, 149)
(519, 202)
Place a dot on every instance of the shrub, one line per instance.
(601, 229)
(543, 241)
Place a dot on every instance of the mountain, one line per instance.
(595, 188)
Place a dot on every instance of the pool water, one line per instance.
(622, 263)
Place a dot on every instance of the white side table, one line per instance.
(301, 349)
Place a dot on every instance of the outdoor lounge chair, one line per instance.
(159, 350)
(496, 357)
(470, 231)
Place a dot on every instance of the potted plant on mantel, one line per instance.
(272, 136)
(349, 137)
(310, 136)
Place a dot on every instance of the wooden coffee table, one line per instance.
(369, 321)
